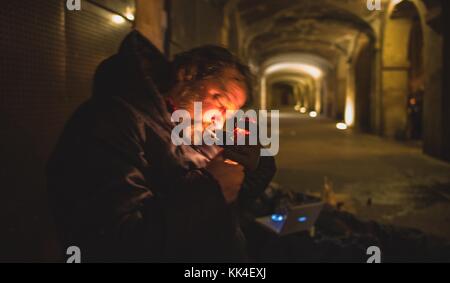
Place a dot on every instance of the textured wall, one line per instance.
(195, 23)
(363, 88)
(151, 20)
(435, 107)
(48, 57)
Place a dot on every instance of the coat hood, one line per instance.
(139, 74)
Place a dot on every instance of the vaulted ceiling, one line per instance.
(324, 28)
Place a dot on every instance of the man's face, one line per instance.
(222, 92)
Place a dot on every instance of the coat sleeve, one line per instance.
(103, 200)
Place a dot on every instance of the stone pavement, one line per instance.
(375, 178)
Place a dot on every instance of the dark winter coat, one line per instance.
(120, 190)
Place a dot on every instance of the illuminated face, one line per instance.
(222, 92)
(226, 92)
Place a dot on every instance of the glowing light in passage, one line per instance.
(313, 71)
(341, 126)
(303, 110)
(349, 112)
(313, 114)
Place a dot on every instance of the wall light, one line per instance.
(303, 110)
(130, 16)
(117, 19)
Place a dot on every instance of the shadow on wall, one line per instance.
(27, 229)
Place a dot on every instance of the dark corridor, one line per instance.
(363, 97)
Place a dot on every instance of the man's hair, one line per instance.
(206, 61)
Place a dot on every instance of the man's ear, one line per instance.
(181, 75)
(186, 74)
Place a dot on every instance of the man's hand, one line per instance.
(229, 175)
(247, 155)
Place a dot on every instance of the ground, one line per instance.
(375, 178)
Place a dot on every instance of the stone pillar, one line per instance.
(341, 88)
(151, 20)
(395, 77)
(318, 92)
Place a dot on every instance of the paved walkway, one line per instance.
(375, 178)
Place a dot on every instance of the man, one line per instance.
(121, 190)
